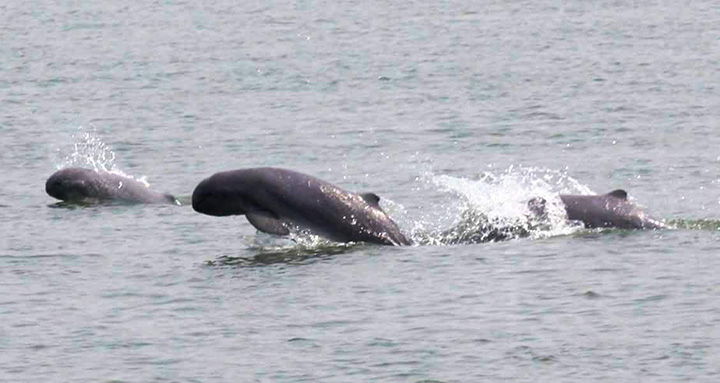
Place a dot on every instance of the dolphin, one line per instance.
(276, 200)
(600, 211)
(87, 186)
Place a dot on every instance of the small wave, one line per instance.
(694, 224)
(50, 255)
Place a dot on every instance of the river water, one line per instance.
(441, 108)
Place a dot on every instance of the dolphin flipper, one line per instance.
(267, 223)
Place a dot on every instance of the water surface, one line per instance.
(439, 108)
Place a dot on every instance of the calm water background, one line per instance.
(417, 101)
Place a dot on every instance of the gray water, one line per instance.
(439, 108)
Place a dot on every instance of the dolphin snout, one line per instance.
(205, 200)
(52, 187)
(66, 189)
(214, 197)
(58, 186)
(199, 197)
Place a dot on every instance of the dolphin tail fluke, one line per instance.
(171, 198)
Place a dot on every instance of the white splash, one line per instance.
(496, 206)
(89, 151)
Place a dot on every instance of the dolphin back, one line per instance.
(87, 185)
(607, 210)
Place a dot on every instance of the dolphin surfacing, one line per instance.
(601, 211)
(81, 185)
(275, 200)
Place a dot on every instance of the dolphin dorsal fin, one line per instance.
(619, 193)
(371, 198)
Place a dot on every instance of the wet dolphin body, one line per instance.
(599, 211)
(275, 200)
(86, 186)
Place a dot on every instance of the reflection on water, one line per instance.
(293, 255)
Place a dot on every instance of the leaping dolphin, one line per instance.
(598, 211)
(275, 200)
(87, 186)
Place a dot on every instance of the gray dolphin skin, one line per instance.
(274, 200)
(600, 211)
(82, 185)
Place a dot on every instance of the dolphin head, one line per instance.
(72, 184)
(218, 196)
